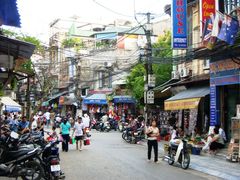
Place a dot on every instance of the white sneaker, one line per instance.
(80, 149)
(149, 160)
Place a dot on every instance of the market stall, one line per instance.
(9, 105)
(124, 104)
(97, 104)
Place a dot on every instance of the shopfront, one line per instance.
(224, 93)
(124, 105)
(190, 108)
(96, 105)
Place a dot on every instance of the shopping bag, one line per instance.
(87, 142)
(60, 138)
(73, 140)
(70, 141)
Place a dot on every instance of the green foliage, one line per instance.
(9, 33)
(163, 46)
(135, 81)
(75, 43)
(26, 38)
(1, 89)
(14, 83)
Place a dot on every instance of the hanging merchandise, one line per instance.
(193, 119)
(180, 118)
(186, 122)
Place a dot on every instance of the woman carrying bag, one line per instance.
(152, 133)
(65, 131)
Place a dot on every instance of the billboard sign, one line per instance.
(179, 24)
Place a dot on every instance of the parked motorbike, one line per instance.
(51, 161)
(122, 125)
(131, 136)
(113, 124)
(103, 127)
(18, 162)
(93, 124)
(178, 152)
(127, 133)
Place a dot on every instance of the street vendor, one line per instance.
(216, 142)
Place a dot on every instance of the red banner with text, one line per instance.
(208, 8)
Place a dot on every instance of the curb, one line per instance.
(195, 166)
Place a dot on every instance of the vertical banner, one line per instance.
(179, 24)
(207, 8)
(213, 106)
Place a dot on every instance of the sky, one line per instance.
(36, 15)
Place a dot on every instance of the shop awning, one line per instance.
(57, 95)
(98, 99)
(10, 105)
(124, 99)
(188, 99)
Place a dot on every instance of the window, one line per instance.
(206, 63)
(226, 6)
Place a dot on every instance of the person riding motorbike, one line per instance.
(104, 120)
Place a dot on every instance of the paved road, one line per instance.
(110, 158)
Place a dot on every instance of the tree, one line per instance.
(73, 42)
(135, 81)
(26, 38)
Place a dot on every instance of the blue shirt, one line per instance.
(23, 125)
(65, 128)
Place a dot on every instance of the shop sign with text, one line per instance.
(179, 24)
(208, 8)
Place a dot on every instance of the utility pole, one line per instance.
(148, 94)
(28, 111)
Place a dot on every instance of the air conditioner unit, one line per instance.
(175, 75)
(184, 72)
(107, 64)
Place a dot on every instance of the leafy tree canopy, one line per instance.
(23, 37)
(73, 42)
(135, 81)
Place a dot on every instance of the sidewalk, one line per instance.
(214, 165)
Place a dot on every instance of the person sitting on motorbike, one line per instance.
(104, 120)
(174, 135)
(23, 126)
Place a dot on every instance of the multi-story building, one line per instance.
(205, 83)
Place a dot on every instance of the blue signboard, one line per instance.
(179, 24)
(213, 105)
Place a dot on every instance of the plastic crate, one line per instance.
(196, 150)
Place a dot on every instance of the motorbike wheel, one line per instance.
(123, 135)
(171, 159)
(126, 137)
(185, 160)
(37, 168)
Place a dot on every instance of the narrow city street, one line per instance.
(110, 158)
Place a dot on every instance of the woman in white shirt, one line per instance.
(152, 133)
